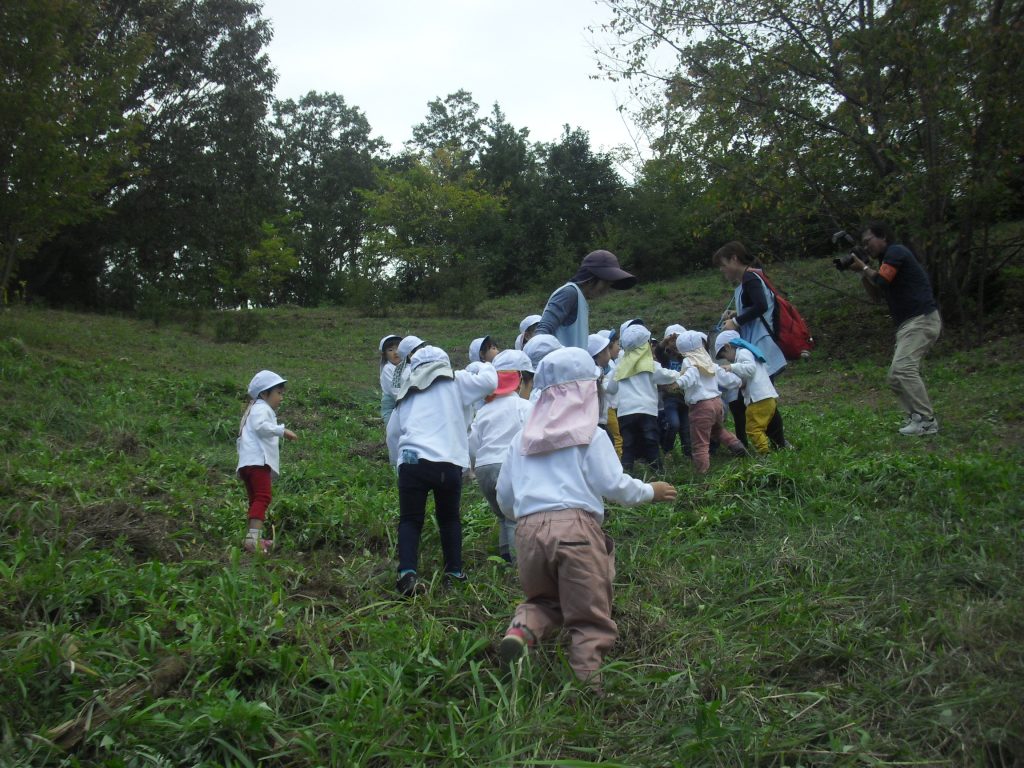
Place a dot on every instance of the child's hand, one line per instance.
(731, 324)
(726, 367)
(289, 435)
(663, 491)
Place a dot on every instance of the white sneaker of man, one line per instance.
(919, 425)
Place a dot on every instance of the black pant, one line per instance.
(640, 440)
(415, 482)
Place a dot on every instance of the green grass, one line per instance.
(859, 601)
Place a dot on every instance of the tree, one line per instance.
(583, 190)
(324, 157)
(190, 203)
(63, 137)
(452, 135)
(431, 235)
(906, 110)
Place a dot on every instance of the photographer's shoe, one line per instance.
(918, 425)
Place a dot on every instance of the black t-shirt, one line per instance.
(905, 284)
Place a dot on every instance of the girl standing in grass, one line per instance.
(556, 473)
(700, 382)
(428, 442)
(389, 360)
(259, 453)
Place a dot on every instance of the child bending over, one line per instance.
(556, 473)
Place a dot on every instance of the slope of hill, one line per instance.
(859, 600)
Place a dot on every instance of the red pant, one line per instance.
(257, 486)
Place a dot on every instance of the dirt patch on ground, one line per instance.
(370, 449)
(147, 535)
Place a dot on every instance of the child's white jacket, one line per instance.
(639, 393)
(757, 384)
(432, 424)
(578, 477)
(496, 423)
(698, 386)
(259, 439)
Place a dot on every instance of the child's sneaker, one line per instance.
(407, 583)
(259, 546)
(451, 578)
(919, 425)
(512, 646)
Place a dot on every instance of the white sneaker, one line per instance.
(919, 425)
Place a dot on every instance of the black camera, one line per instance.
(844, 262)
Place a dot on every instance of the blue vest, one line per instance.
(575, 334)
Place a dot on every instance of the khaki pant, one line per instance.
(914, 338)
(759, 416)
(566, 568)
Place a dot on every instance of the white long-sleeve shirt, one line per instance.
(639, 392)
(757, 384)
(698, 386)
(259, 440)
(580, 477)
(432, 423)
(496, 423)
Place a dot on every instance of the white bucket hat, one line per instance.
(263, 381)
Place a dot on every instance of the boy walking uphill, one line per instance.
(428, 442)
(259, 453)
(557, 472)
(636, 380)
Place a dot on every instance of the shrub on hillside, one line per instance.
(238, 326)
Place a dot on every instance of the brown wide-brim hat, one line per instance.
(605, 266)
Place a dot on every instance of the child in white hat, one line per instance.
(760, 397)
(389, 360)
(497, 421)
(259, 453)
(556, 474)
(428, 442)
(701, 381)
(636, 380)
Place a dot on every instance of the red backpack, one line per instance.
(790, 331)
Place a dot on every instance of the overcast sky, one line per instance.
(390, 57)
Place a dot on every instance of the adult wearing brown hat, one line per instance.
(567, 314)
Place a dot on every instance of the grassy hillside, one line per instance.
(858, 601)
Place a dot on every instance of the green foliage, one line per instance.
(238, 326)
(324, 155)
(64, 138)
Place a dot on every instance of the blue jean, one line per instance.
(415, 482)
(640, 440)
(677, 422)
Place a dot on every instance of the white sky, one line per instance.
(390, 57)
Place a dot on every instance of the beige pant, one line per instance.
(914, 338)
(566, 567)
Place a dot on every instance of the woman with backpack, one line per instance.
(752, 319)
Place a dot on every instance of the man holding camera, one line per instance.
(902, 282)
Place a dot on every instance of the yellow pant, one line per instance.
(758, 416)
(613, 431)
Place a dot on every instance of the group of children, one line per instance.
(549, 432)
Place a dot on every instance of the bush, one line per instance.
(242, 327)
